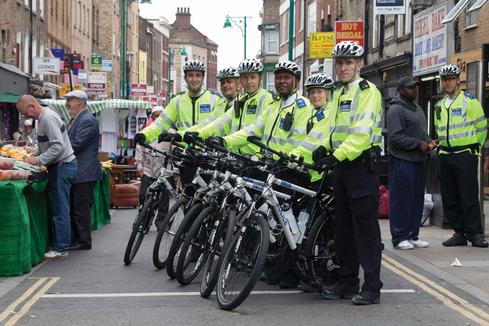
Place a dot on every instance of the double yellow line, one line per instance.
(32, 295)
(449, 298)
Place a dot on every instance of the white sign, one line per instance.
(430, 40)
(390, 7)
(82, 76)
(150, 89)
(106, 65)
(45, 66)
(95, 77)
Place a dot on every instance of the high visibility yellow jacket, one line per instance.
(461, 124)
(319, 127)
(182, 112)
(242, 114)
(282, 126)
(356, 120)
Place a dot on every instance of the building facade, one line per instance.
(270, 34)
(150, 42)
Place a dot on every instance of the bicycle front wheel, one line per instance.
(243, 262)
(139, 230)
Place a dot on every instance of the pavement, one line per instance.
(95, 288)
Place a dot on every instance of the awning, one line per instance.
(96, 106)
(9, 97)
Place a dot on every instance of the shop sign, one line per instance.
(95, 77)
(390, 7)
(430, 40)
(45, 66)
(150, 89)
(96, 89)
(96, 62)
(321, 45)
(138, 89)
(349, 31)
(74, 79)
(82, 76)
(106, 65)
(65, 88)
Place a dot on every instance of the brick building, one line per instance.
(184, 35)
(132, 42)
(150, 43)
(162, 25)
(270, 29)
(17, 47)
(81, 25)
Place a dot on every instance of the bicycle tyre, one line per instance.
(179, 238)
(320, 242)
(211, 268)
(138, 230)
(165, 234)
(244, 240)
(196, 243)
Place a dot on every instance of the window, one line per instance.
(470, 17)
(270, 82)
(41, 8)
(34, 6)
(284, 25)
(113, 43)
(311, 17)
(301, 18)
(404, 21)
(376, 31)
(26, 53)
(34, 48)
(271, 40)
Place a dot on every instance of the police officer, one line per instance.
(319, 87)
(281, 126)
(185, 110)
(462, 128)
(354, 136)
(245, 111)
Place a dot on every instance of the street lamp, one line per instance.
(232, 20)
(183, 52)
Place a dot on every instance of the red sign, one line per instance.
(138, 89)
(349, 31)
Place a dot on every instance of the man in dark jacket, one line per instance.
(408, 144)
(84, 136)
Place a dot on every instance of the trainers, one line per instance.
(366, 297)
(457, 239)
(479, 241)
(404, 245)
(419, 243)
(339, 291)
(308, 287)
(56, 255)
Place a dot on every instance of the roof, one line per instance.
(9, 97)
(13, 69)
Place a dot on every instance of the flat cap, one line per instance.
(77, 94)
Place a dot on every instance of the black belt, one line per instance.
(474, 148)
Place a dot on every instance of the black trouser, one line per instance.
(81, 205)
(460, 192)
(164, 201)
(357, 232)
(187, 173)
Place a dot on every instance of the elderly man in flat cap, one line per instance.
(83, 131)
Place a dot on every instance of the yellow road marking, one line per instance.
(31, 302)
(476, 314)
(23, 297)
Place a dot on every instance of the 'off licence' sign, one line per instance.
(430, 40)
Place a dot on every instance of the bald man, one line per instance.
(56, 153)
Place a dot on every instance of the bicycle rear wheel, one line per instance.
(320, 254)
(221, 241)
(139, 230)
(195, 248)
(179, 237)
(243, 262)
(166, 233)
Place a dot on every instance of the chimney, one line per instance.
(183, 17)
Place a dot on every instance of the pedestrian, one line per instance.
(56, 153)
(353, 144)
(149, 167)
(408, 143)
(83, 131)
(461, 126)
(29, 134)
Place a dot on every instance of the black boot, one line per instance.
(478, 240)
(366, 297)
(457, 239)
(339, 291)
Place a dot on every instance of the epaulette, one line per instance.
(216, 93)
(470, 96)
(363, 84)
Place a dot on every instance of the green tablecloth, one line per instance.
(101, 202)
(23, 226)
(24, 222)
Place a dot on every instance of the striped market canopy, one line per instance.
(96, 106)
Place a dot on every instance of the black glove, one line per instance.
(319, 153)
(166, 137)
(190, 136)
(214, 140)
(140, 138)
(326, 163)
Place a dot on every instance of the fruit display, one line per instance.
(14, 152)
(107, 164)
